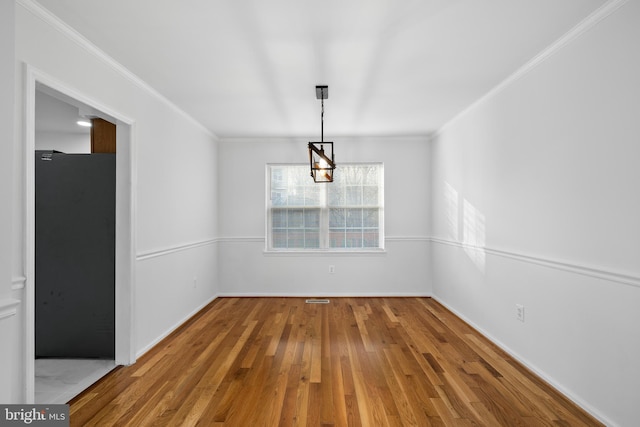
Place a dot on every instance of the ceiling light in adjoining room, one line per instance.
(84, 123)
(322, 162)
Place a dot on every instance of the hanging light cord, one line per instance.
(321, 115)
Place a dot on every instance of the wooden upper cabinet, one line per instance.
(103, 136)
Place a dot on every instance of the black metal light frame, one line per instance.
(321, 162)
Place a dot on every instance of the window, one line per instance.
(344, 215)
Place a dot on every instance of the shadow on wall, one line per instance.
(469, 222)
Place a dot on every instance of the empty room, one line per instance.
(279, 212)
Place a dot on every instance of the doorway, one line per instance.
(123, 348)
(75, 251)
(75, 235)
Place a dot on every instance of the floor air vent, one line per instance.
(317, 301)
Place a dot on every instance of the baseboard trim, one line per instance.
(194, 312)
(530, 366)
(178, 324)
(322, 295)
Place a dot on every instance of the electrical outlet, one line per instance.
(332, 269)
(520, 312)
(195, 282)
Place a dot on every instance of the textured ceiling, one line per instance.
(394, 67)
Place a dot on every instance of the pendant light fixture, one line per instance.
(322, 162)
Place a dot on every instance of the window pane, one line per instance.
(354, 195)
(312, 218)
(337, 218)
(370, 217)
(278, 218)
(279, 238)
(312, 238)
(354, 238)
(295, 239)
(370, 196)
(354, 217)
(278, 177)
(295, 218)
(338, 176)
(291, 186)
(344, 214)
(370, 175)
(298, 176)
(296, 196)
(279, 197)
(337, 238)
(336, 196)
(370, 238)
(351, 174)
(312, 195)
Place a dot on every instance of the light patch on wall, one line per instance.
(451, 209)
(474, 235)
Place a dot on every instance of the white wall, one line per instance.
(534, 193)
(6, 140)
(174, 177)
(70, 143)
(246, 269)
(10, 310)
(536, 202)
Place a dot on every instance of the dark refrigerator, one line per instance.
(75, 255)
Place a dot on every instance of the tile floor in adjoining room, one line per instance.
(59, 380)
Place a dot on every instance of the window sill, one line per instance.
(325, 252)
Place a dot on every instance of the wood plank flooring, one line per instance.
(352, 362)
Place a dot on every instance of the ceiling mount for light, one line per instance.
(322, 162)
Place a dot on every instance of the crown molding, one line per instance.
(582, 27)
(49, 18)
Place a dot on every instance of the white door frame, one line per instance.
(125, 353)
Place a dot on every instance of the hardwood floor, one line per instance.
(355, 361)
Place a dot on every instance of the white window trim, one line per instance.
(324, 234)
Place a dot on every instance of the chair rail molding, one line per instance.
(173, 249)
(18, 283)
(8, 307)
(591, 271)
